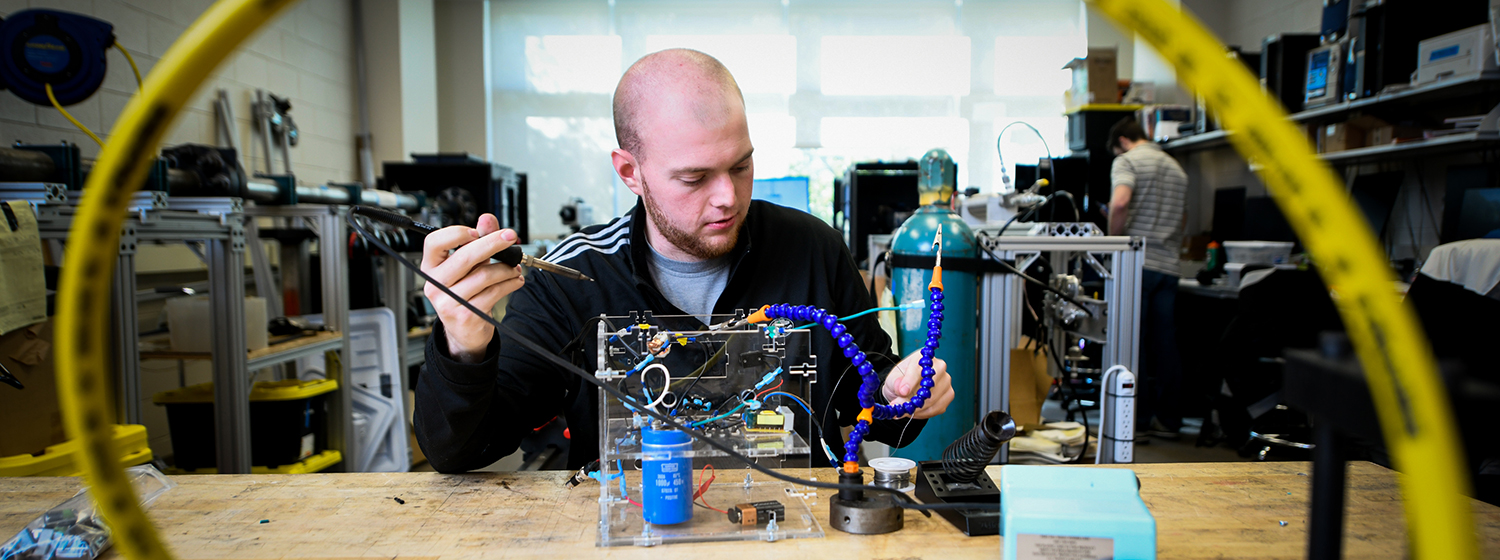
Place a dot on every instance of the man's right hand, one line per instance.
(469, 273)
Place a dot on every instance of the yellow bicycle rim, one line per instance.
(83, 340)
(1415, 415)
(1414, 411)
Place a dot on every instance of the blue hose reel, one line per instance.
(66, 50)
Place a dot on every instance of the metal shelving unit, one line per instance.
(1451, 89)
(220, 224)
(149, 221)
(1118, 259)
(1450, 143)
(327, 224)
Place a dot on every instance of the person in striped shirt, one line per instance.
(1149, 200)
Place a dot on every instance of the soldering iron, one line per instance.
(512, 255)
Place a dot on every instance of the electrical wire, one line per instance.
(779, 383)
(1051, 173)
(909, 305)
(697, 375)
(703, 488)
(1034, 209)
(799, 401)
(719, 417)
(664, 387)
(70, 118)
(1039, 283)
(900, 499)
(620, 466)
(1082, 412)
(133, 67)
(810, 416)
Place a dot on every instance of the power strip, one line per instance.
(1117, 435)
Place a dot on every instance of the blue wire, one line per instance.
(793, 397)
(826, 450)
(620, 466)
(719, 417)
(860, 314)
(641, 365)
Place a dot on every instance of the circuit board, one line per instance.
(745, 386)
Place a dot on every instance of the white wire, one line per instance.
(665, 388)
(1001, 153)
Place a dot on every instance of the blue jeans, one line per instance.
(1160, 375)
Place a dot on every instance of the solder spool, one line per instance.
(894, 473)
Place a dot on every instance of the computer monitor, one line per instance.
(1375, 194)
(790, 192)
(1229, 214)
(1480, 216)
(875, 198)
(1465, 215)
(1265, 222)
(1071, 174)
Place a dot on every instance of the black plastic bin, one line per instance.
(288, 422)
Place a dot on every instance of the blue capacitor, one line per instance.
(666, 496)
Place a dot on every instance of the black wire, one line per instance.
(1043, 285)
(688, 391)
(1034, 209)
(1082, 412)
(901, 499)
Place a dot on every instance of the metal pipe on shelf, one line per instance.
(32, 166)
(25, 165)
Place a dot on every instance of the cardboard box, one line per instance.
(1391, 134)
(1029, 384)
(1339, 137)
(191, 329)
(1094, 78)
(1309, 132)
(1347, 135)
(31, 417)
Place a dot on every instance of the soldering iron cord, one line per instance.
(1024, 276)
(901, 499)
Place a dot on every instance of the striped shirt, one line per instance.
(1158, 202)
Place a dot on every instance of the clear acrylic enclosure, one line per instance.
(747, 387)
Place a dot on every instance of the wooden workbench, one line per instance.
(1203, 510)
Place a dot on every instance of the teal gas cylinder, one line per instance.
(908, 282)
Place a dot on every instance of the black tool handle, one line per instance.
(510, 256)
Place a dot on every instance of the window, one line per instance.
(895, 65)
(573, 63)
(760, 63)
(898, 138)
(773, 136)
(1033, 65)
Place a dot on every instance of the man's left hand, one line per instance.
(906, 378)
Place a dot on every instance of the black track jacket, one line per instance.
(470, 415)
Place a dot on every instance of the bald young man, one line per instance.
(694, 245)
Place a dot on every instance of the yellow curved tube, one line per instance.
(83, 340)
(1415, 415)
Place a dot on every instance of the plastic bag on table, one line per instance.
(75, 529)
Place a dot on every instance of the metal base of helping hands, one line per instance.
(854, 512)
